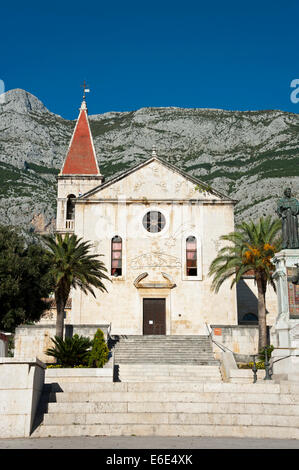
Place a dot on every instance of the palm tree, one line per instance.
(72, 266)
(251, 248)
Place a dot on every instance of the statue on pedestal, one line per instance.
(288, 209)
(284, 332)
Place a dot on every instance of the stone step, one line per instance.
(164, 340)
(159, 346)
(163, 347)
(183, 386)
(160, 351)
(159, 337)
(74, 379)
(187, 367)
(166, 372)
(179, 372)
(182, 357)
(167, 344)
(171, 418)
(156, 344)
(167, 430)
(152, 361)
(173, 396)
(258, 389)
(161, 360)
(255, 409)
(136, 378)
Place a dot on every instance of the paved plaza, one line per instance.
(133, 442)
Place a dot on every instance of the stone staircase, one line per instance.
(160, 349)
(168, 386)
(165, 359)
(261, 410)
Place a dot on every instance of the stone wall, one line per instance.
(21, 384)
(34, 340)
(4, 344)
(242, 340)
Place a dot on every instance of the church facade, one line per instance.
(157, 230)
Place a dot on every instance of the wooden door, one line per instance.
(154, 317)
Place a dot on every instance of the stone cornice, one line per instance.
(155, 201)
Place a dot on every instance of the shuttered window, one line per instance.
(116, 256)
(191, 256)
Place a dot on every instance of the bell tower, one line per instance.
(80, 172)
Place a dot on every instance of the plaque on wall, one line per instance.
(293, 293)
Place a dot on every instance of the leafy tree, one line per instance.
(72, 265)
(250, 248)
(70, 352)
(99, 353)
(24, 279)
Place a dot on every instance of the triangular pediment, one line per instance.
(154, 179)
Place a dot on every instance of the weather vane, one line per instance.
(85, 89)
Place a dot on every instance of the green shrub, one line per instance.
(262, 355)
(70, 352)
(100, 353)
(259, 365)
(249, 365)
(11, 345)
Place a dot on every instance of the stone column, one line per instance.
(285, 331)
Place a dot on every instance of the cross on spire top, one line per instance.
(85, 89)
(154, 154)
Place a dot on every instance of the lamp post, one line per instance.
(267, 366)
(254, 370)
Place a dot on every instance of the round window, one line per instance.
(154, 221)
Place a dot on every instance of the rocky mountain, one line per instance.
(251, 156)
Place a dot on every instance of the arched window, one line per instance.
(70, 207)
(191, 256)
(116, 256)
(250, 318)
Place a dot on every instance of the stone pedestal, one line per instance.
(285, 331)
(21, 385)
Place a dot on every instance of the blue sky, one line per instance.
(231, 55)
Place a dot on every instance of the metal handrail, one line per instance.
(109, 331)
(221, 346)
(281, 358)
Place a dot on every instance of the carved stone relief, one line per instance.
(155, 259)
(182, 231)
(138, 185)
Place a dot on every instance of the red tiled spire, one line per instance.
(81, 156)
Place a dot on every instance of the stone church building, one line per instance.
(157, 230)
